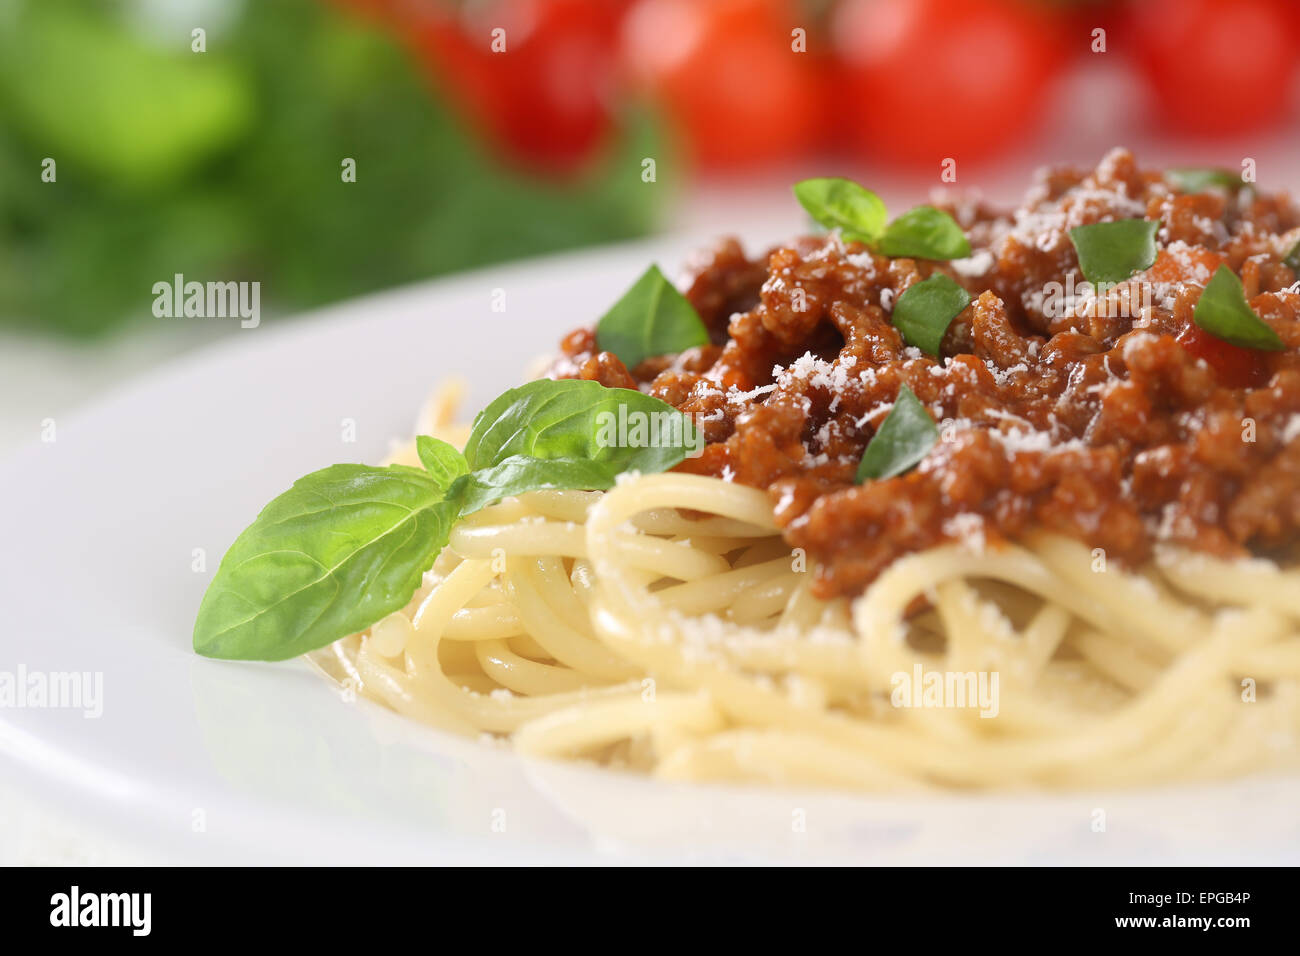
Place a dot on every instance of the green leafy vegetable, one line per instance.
(1114, 251)
(1224, 312)
(652, 318)
(521, 473)
(223, 165)
(442, 461)
(842, 204)
(77, 72)
(570, 418)
(905, 437)
(1194, 179)
(925, 233)
(571, 434)
(859, 214)
(925, 310)
(1293, 258)
(348, 545)
(336, 552)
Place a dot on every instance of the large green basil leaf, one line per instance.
(621, 429)
(520, 473)
(341, 549)
(347, 545)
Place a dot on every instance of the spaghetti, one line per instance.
(965, 500)
(611, 627)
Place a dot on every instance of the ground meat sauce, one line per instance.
(1059, 413)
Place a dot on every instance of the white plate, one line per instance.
(208, 761)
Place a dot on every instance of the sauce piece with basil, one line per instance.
(1118, 424)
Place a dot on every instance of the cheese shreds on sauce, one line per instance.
(1111, 419)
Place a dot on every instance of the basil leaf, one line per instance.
(347, 545)
(859, 214)
(925, 233)
(1113, 251)
(842, 204)
(339, 550)
(549, 419)
(905, 437)
(1194, 179)
(1224, 312)
(925, 310)
(521, 473)
(570, 434)
(652, 318)
(442, 461)
(1293, 258)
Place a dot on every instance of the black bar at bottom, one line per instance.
(338, 906)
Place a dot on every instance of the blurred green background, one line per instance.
(225, 164)
(228, 163)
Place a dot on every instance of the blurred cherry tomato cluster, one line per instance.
(748, 83)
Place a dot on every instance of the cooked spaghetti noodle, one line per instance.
(970, 500)
(665, 626)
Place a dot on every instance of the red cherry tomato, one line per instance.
(544, 98)
(1233, 365)
(1216, 66)
(728, 75)
(924, 80)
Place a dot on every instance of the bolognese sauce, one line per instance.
(1113, 418)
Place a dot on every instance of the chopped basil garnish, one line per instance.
(1224, 312)
(860, 215)
(924, 233)
(857, 212)
(905, 437)
(348, 545)
(1293, 258)
(925, 310)
(1194, 180)
(1114, 251)
(652, 318)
